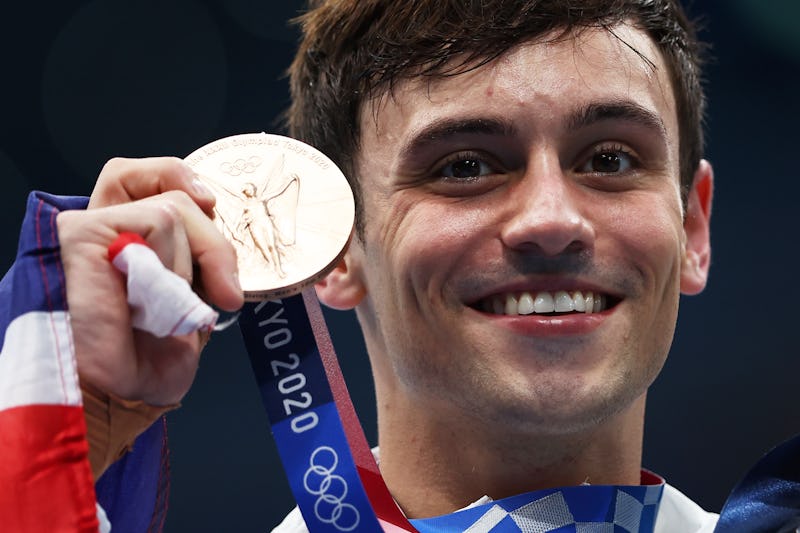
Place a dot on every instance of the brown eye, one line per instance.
(465, 168)
(606, 162)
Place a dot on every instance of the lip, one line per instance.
(533, 325)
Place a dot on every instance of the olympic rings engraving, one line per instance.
(330, 489)
(241, 166)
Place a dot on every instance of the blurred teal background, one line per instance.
(83, 81)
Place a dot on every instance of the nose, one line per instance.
(548, 214)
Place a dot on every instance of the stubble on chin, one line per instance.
(547, 404)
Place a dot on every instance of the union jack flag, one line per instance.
(46, 483)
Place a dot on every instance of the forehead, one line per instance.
(532, 86)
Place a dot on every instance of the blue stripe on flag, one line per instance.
(36, 280)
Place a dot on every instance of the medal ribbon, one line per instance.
(331, 469)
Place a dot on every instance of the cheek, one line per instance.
(426, 240)
(651, 232)
(654, 242)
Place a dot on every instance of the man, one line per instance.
(502, 172)
(531, 202)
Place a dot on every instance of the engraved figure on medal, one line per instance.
(259, 218)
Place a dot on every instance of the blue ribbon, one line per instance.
(308, 430)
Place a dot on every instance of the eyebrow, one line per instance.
(583, 117)
(616, 110)
(446, 128)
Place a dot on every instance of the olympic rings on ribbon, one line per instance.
(330, 489)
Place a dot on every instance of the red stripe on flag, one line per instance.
(45, 479)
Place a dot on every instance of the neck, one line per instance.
(437, 465)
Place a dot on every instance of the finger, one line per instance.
(169, 240)
(214, 255)
(125, 180)
(181, 235)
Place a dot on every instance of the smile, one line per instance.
(547, 302)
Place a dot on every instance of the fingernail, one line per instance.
(201, 189)
(236, 284)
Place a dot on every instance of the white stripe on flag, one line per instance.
(37, 362)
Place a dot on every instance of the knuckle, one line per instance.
(107, 186)
(173, 166)
(166, 214)
(179, 198)
(174, 163)
(114, 166)
(66, 222)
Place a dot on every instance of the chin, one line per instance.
(559, 406)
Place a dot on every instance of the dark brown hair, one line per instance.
(354, 50)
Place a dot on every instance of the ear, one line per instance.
(697, 256)
(343, 288)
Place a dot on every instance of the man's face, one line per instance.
(491, 199)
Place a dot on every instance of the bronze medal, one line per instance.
(286, 208)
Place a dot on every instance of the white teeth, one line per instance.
(545, 302)
(525, 305)
(563, 302)
(578, 301)
(512, 307)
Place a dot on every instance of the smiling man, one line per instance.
(531, 203)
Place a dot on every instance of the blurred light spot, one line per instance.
(775, 22)
(133, 78)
